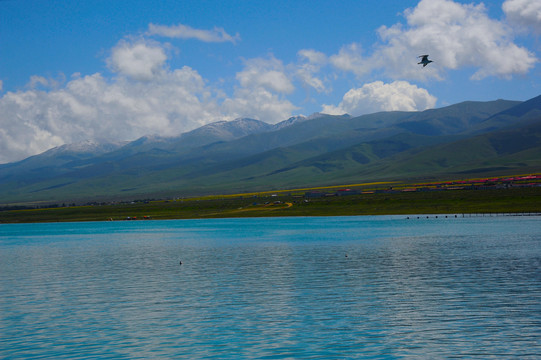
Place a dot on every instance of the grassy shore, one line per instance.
(513, 200)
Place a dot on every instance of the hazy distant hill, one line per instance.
(55, 161)
(249, 155)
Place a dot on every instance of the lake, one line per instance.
(273, 288)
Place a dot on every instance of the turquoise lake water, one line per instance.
(272, 288)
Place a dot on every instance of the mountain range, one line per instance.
(245, 155)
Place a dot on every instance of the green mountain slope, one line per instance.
(403, 156)
(502, 152)
(465, 138)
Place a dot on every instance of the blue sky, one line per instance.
(105, 70)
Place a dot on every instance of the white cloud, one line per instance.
(314, 57)
(1, 85)
(258, 103)
(23, 127)
(142, 60)
(91, 107)
(524, 13)
(186, 32)
(378, 96)
(147, 97)
(265, 73)
(350, 58)
(36, 81)
(167, 103)
(455, 35)
(310, 64)
(41, 82)
(263, 82)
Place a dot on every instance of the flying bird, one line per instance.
(424, 60)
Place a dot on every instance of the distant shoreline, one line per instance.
(520, 200)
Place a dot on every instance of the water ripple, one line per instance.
(304, 288)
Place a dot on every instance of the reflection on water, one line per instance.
(345, 287)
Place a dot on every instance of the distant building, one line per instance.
(346, 192)
(314, 194)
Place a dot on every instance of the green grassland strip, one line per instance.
(513, 200)
(295, 190)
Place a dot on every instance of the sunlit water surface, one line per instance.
(273, 288)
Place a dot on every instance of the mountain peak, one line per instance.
(318, 115)
(234, 128)
(86, 147)
(292, 120)
(315, 116)
(525, 107)
(247, 154)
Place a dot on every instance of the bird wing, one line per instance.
(425, 57)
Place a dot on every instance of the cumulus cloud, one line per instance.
(91, 107)
(455, 35)
(258, 103)
(186, 32)
(378, 96)
(142, 60)
(350, 59)
(266, 73)
(41, 82)
(524, 13)
(310, 64)
(263, 83)
(144, 98)
(36, 81)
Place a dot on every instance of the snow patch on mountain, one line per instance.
(228, 130)
(89, 147)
